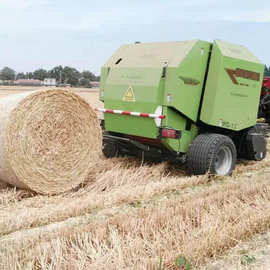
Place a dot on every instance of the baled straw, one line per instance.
(49, 140)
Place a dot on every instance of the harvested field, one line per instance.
(131, 215)
(90, 95)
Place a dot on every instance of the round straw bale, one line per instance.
(49, 140)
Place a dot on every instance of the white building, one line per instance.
(49, 82)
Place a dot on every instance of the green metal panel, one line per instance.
(103, 78)
(233, 87)
(177, 121)
(148, 93)
(184, 83)
(140, 67)
(151, 54)
(131, 125)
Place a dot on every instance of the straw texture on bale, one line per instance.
(49, 140)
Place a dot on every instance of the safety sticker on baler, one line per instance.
(129, 95)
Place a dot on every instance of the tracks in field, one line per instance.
(136, 193)
(49, 221)
(61, 209)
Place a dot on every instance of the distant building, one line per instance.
(6, 82)
(49, 82)
(95, 84)
(28, 82)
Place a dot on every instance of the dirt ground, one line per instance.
(251, 255)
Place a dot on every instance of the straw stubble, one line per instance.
(49, 140)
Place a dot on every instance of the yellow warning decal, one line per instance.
(129, 95)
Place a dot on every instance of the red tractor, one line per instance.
(264, 108)
(266, 84)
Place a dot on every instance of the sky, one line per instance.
(84, 34)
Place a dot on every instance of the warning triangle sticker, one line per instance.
(129, 95)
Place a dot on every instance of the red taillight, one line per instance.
(170, 133)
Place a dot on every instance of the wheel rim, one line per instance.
(223, 161)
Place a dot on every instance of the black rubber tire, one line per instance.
(110, 150)
(248, 152)
(204, 150)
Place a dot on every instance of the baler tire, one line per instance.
(213, 153)
(110, 150)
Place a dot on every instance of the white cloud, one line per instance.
(84, 33)
(251, 16)
(20, 4)
(86, 23)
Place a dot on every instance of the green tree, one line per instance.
(88, 75)
(57, 73)
(40, 74)
(72, 76)
(68, 75)
(29, 75)
(85, 83)
(7, 74)
(20, 75)
(267, 71)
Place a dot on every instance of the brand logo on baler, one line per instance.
(242, 73)
(129, 95)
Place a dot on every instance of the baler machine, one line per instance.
(193, 100)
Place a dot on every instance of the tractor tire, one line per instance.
(110, 150)
(255, 144)
(213, 153)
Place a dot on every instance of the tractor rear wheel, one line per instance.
(213, 153)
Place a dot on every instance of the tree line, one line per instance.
(63, 75)
(267, 71)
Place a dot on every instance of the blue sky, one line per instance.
(84, 34)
